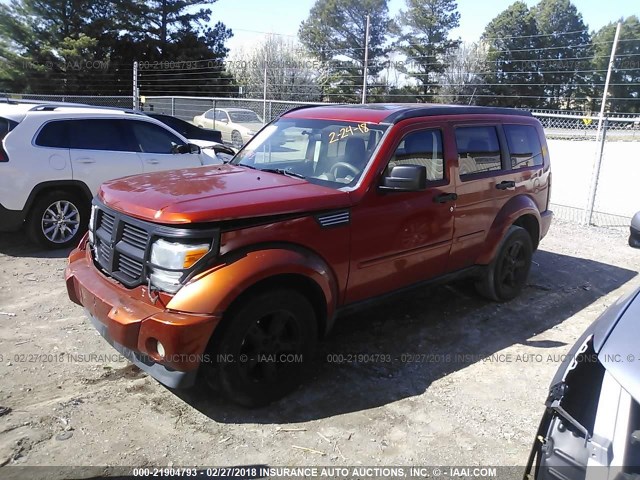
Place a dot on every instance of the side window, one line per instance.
(478, 150)
(221, 115)
(54, 134)
(422, 148)
(208, 114)
(94, 134)
(524, 146)
(152, 138)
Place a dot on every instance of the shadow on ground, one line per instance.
(446, 320)
(16, 244)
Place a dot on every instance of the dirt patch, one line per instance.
(465, 384)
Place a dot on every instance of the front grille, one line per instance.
(130, 267)
(135, 236)
(106, 222)
(122, 244)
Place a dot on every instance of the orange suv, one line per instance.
(229, 274)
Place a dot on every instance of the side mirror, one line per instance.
(405, 178)
(188, 148)
(223, 120)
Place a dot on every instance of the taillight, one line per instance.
(6, 126)
(3, 155)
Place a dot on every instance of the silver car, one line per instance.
(237, 125)
(591, 427)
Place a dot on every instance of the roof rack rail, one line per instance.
(49, 106)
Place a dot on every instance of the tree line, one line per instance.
(538, 57)
(87, 47)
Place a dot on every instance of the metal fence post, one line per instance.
(173, 106)
(596, 175)
(213, 105)
(136, 101)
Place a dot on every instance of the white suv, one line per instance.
(54, 157)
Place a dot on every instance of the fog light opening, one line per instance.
(160, 349)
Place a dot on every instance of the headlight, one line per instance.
(170, 259)
(92, 221)
(251, 132)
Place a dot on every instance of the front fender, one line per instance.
(510, 212)
(214, 290)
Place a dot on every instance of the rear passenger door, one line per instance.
(496, 162)
(157, 147)
(485, 183)
(101, 150)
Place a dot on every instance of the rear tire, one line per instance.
(260, 353)
(507, 274)
(58, 219)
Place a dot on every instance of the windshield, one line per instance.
(244, 117)
(327, 152)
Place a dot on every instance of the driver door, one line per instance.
(156, 146)
(403, 238)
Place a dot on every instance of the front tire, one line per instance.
(58, 220)
(261, 351)
(507, 275)
(236, 140)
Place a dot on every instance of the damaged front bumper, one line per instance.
(166, 344)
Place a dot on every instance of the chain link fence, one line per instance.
(587, 168)
(186, 108)
(100, 101)
(578, 126)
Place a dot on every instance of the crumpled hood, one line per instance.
(216, 193)
(618, 346)
(615, 341)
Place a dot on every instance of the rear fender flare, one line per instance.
(508, 215)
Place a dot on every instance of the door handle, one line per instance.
(445, 197)
(86, 160)
(153, 161)
(506, 184)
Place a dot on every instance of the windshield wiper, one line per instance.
(283, 171)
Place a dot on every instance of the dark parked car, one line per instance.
(591, 427)
(634, 236)
(187, 129)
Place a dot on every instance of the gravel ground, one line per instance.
(465, 385)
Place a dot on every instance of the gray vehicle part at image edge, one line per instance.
(591, 422)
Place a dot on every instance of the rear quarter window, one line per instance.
(6, 126)
(524, 146)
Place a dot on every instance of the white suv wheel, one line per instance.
(60, 222)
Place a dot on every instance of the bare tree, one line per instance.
(291, 74)
(462, 75)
